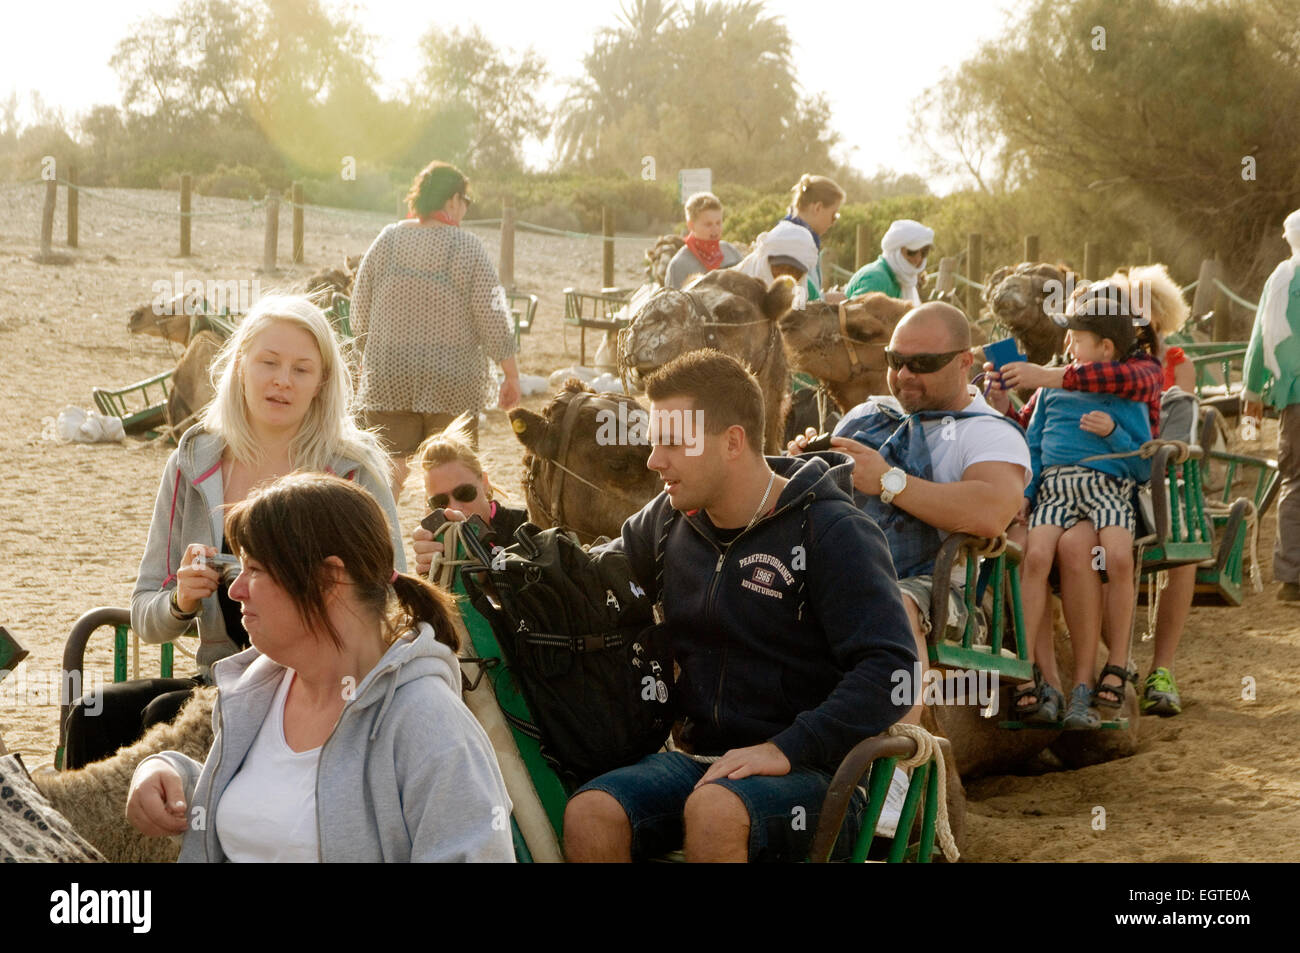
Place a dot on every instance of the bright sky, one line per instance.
(869, 58)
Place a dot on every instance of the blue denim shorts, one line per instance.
(783, 811)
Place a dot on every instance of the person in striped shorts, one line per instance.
(1072, 435)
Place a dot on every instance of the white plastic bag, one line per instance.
(75, 425)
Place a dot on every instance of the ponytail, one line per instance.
(420, 601)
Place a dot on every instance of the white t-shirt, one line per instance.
(958, 444)
(267, 813)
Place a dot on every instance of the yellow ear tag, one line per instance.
(519, 425)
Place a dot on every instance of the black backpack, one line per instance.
(579, 635)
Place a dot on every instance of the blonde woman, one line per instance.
(454, 481)
(796, 240)
(283, 403)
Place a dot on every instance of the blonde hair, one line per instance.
(328, 430)
(702, 202)
(454, 444)
(811, 189)
(1152, 283)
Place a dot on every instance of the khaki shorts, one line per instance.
(919, 589)
(402, 431)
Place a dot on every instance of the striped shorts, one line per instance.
(1069, 494)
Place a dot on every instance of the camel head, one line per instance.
(853, 364)
(723, 309)
(602, 443)
(169, 320)
(659, 255)
(1019, 299)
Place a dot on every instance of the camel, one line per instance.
(735, 314)
(191, 382)
(583, 469)
(1018, 297)
(844, 346)
(171, 323)
(322, 286)
(93, 798)
(659, 255)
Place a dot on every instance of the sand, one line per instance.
(1219, 782)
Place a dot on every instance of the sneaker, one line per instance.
(1288, 592)
(1160, 694)
(1081, 716)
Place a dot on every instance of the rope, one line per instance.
(254, 204)
(671, 745)
(1219, 508)
(1149, 450)
(1187, 288)
(966, 281)
(927, 748)
(9, 186)
(1235, 297)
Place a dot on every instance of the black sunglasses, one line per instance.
(465, 493)
(920, 363)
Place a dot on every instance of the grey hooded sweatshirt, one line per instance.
(407, 774)
(188, 509)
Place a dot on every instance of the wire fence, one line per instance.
(254, 205)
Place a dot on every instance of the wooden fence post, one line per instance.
(607, 258)
(1222, 309)
(1091, 260)
(506, 266)
(862, 247)
(947, 280)
(296, 194)
(47, 217)
(187, 184)
(1150, 256)
(1031, 248)
(974, 270)
(72, 206)
(1203, 300)
(272, 231)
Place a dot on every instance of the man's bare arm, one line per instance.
(982, 503)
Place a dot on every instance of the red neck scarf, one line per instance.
(709, 253)
(438, 216)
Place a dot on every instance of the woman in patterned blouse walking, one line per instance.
(429, 312)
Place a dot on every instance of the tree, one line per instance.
(495, 93)
(710, 85)
(1174, 120)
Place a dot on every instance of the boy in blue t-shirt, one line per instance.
(1067, 432)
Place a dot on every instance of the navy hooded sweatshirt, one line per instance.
(793, 631)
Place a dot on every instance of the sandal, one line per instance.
(1113, 699)
(1032, 690)
(1049, 711)
(1081, 716)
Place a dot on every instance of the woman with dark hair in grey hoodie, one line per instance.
(341, 734)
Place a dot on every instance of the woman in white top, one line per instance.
(429, 312)
(340, 735)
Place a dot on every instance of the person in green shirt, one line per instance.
(1274, 355)
(898, 270)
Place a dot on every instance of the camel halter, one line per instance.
(552, 508)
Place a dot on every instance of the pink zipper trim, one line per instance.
(211, 470)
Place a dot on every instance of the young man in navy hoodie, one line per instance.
(787, 626)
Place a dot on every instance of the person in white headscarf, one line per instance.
(1274, 355)
(786, 249)
(901, 265)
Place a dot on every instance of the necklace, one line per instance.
(762, 504)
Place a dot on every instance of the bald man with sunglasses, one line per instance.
(933, 459)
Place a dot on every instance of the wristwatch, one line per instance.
(892, 483)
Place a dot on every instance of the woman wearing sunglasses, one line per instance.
(429, 312)
(899, 269)
(454, 481)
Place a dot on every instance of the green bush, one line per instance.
(238, 182)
